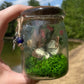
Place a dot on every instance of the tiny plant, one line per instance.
(55, 66)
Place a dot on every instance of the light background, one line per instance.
(42, 2)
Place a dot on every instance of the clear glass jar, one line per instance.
(45, 46)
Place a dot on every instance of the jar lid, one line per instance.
(44, 10)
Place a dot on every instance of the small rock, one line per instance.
(53, 51)
(52, 48)
(40, 51)
(51, 44)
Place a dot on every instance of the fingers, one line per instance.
(29, 80)
(10, 77)
(1, 46)
(8, 15)
(13, 12)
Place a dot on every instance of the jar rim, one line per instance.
(44, 10)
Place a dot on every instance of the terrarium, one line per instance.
(42, 38)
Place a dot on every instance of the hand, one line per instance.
(7, 76)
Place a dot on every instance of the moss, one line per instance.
(55, 66)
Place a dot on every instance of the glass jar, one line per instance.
(44, 43)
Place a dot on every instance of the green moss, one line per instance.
(55, 66)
